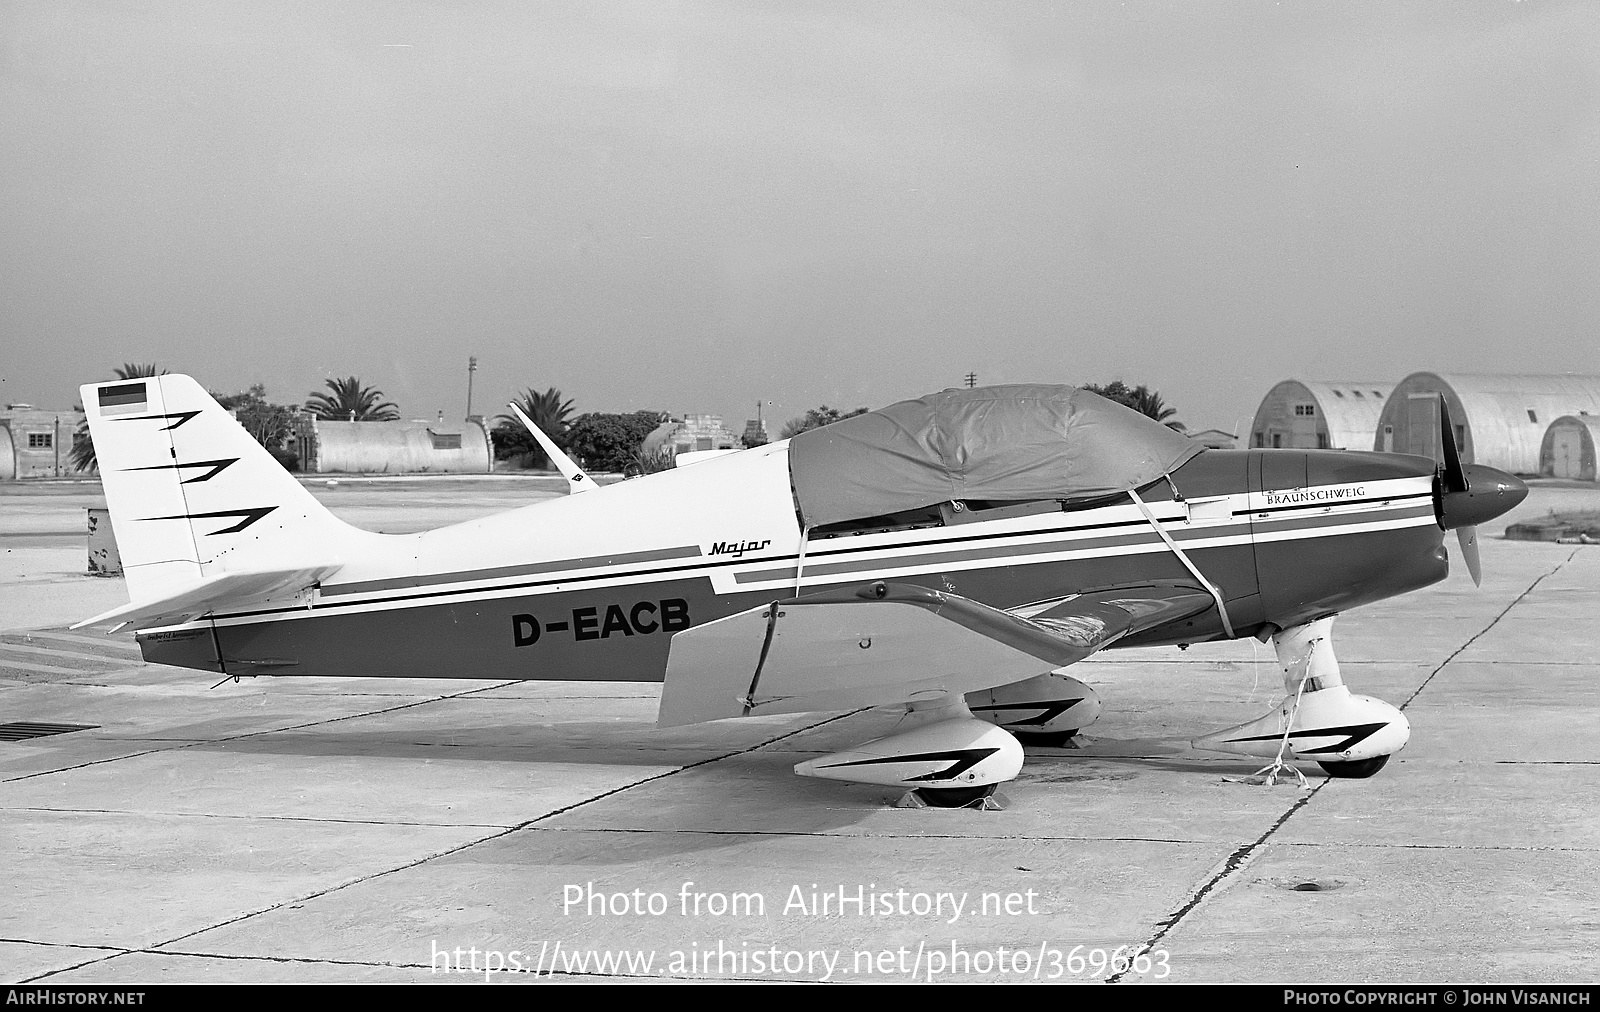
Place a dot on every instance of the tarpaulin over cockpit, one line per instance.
(1016, 442)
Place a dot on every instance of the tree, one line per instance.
(608, 442)
(815, 418)
(664, 459)
(271, 425)
(351, 402)
(83, 456)
(512, 439)
(1140, 398)
(133, 370)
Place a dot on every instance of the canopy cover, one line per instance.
(1025, 441)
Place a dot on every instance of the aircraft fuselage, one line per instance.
(592, 587)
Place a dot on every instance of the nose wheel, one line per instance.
(1358, 769)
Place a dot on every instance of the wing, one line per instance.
(891, 643)
(1145, 606)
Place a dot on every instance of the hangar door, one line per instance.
(1566, 447)
(1422, 425)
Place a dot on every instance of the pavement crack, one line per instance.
(1525, 849)
(1235, 861)
(875, 836)
(258, 818)
(446, 852)
(80, 766)
(954, 836)
(255, 734)
(1493, 622)
(65, 945)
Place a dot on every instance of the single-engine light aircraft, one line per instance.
(947, 555)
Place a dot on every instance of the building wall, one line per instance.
(692, 434)
(38, 443)
(703, 432)
(1568, 448)
(1319, 414)
(393, 447)
(755, 432)
(1500, 420)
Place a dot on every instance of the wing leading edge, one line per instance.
(888, 643)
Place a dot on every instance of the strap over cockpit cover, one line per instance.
(1032, 441)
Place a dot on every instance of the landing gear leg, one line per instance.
(1318, 719)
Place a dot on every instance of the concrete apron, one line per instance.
(320, 830)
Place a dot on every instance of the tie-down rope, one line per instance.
(1216, 595)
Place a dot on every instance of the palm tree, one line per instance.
(548, 411)
(83, 456)
(1148, 402)
(1140, 398)
(133, 370)
(351, 402)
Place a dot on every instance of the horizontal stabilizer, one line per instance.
(230, 591)
(876, 645)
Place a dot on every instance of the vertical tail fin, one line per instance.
(193, 497)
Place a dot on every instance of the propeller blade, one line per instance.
(1455, 477)
(1468, 536)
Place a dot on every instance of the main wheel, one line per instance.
(1358, 769)
(954, 797)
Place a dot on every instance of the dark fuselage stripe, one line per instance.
(976, 554)
(532, 568)
(1273, 524)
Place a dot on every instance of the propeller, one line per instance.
(1470, 494)
(1455, 477)
(1453, 480)
(1467, 537)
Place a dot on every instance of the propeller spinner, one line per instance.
(1471, 494)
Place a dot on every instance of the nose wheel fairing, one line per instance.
(1319, 718)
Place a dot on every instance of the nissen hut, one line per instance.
(1499, 420)
(1319, 414)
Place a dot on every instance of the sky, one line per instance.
(696, 207)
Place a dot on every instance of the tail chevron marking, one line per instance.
(217, 467)
(181, 416)
(249, 516)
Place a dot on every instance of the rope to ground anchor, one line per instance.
(1268, 775)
